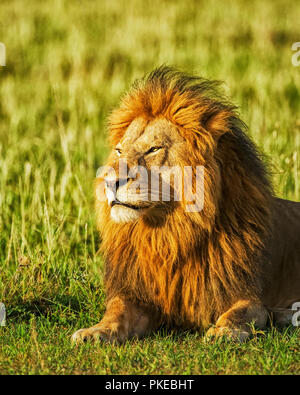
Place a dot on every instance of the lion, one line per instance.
(223, 268)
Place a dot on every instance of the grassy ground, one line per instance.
(67, 65)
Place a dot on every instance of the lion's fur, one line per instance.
(192, 266)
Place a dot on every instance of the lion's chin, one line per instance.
(121, 214)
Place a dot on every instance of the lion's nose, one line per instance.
(115, 184)
(110, 190)
(111, 184)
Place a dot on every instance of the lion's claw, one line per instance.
(95, 334)
(234, 334)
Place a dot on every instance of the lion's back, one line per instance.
(283, 272)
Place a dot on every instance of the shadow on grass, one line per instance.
(43, 307)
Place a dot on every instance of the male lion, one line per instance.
(224, 266)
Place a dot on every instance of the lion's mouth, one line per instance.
(128, 205)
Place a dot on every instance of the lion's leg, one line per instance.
(122, 320)
(234, 323)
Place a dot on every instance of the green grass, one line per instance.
(67, 65)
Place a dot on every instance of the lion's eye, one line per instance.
(153, 149)
(118, 151)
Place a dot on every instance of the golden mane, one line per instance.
(193, 266)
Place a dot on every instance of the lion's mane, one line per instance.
(193, 266)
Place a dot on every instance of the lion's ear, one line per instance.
(218, 123)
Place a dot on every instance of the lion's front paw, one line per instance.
(111, 334)
(233, 334)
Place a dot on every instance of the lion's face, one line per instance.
(140, 167)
